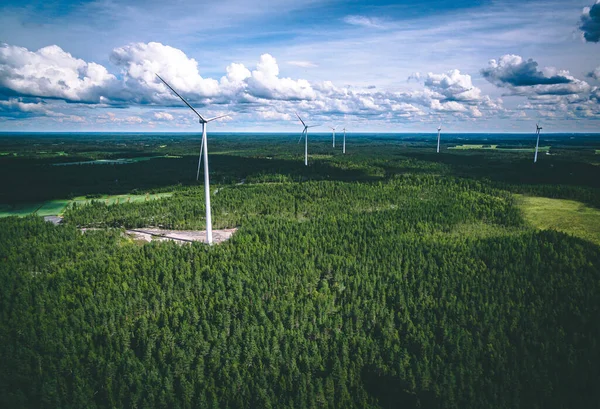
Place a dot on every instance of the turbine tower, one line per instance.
(333, 129)
(305, 134)
(203, 147)
(344, 145)
(538, 128)
(439, 130)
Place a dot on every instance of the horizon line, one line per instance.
(293, 132)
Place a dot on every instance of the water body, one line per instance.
(120, 161)
(98, 162)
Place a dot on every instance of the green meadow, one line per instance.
(473, 146)
(567, 216)
(496, 147)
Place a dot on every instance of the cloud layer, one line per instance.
(29, 80)
(513, 70)
(590, 23)
(55, 74)
(51, 72)
(523, 77)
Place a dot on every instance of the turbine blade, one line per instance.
(200, 158)
(300, 118)
(180, 97)
(313, 126)
(217, 117)
(302, 134)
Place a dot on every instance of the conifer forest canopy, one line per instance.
(388, 277)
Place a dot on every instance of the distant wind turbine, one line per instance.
(333, 129)
(439, 130)
(538, 128)
(203, 147)
(344, 145)
(305, 134)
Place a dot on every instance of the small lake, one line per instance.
(121, 161)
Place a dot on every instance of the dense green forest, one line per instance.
(388, 277)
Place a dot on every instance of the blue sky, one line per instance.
(489, 66)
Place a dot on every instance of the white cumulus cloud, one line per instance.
(271, 115)
(53, 73)
(163, 116)
(261, 90)
(140, 62)
(266, 83)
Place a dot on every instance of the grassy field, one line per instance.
(57, 207)
(120, 199)
(471, 146)
(495, 147)
(52, 207)
(563, 215)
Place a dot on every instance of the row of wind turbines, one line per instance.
(304, 135)
(204, 152)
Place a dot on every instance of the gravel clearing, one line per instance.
(179, 236)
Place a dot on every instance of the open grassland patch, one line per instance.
(52, 208)
(499, 148)
(567, 216)
(472, 146)
(120, 199)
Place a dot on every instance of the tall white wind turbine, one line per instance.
(439, 130)
(344, 145)
(333, 129)
(203, 147)
(305, 135)
(538, 128)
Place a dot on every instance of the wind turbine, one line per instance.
(305, 134)
(538, 128)
(203, 147)
(333, 129)
(344, 145)
(439, 130)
